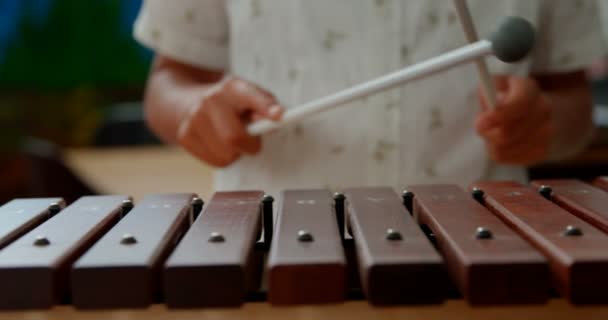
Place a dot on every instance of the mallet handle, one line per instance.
(466, 54)
(487, 86)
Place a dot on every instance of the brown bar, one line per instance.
(489, 263)
(575, 249)
(583, 200)
(19, 216)
(34, 269)
(397, 263)
(122, 270)
(210, 266)
(307, 263)
(601, 182)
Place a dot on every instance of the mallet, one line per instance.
(466, 21)
(510, 43)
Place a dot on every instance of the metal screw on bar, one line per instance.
(128, 239)
(197, 203)
(483, 233)
(305, 236)
(126, 206)
(267, 198)
(407, 197)
(216, 237)
(54, 208)
(267, 220)
(477, 194)
(41, 241)
(545, 191)
(393, 235)
(197, 206)
(339, 200)
(572, 231)
(339, 196)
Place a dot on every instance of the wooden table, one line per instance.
(453, 310)
(140, 171)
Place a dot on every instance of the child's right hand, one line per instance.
(215, 129)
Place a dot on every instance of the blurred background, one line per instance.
(66, 67)
(71, 75)
(71, 82)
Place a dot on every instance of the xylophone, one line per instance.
(501, 243)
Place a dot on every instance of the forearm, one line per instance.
(572, 114)
(172, 91)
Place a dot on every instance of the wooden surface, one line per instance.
(320, 262)
(202, 273)
(22, 215)
(586, 201)
(578, 263)
(452, 310)
(113, 274)
(35, 276)
(140, 171)
(500, 269)
(405, 270)
(601, 182)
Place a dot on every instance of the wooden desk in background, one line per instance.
(138, 171)
(141, 171)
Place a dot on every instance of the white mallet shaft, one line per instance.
(466, 21)
(466, 54)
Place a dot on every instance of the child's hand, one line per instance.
(215, 130)
(518, 130)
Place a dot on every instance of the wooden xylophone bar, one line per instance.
(575, 250)
(499, 243)
(488, 262)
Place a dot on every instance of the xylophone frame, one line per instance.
(342, 229)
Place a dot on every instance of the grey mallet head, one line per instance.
(513, 40)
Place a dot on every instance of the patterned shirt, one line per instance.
(300, 50)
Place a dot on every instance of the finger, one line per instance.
(200, 149)
(230, 130)
(520, 131)
(275, 113)
(516, 134)
(501, 82)
(226, 152)
(500, 85)
(488, 118)
(485, 121)
(207, 143)
(257, 117)
(248, 98)
(191, 142)
(517, 99)
(196, 135)
(528, 152)
(500, 117)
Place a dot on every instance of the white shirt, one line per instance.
(300, 50)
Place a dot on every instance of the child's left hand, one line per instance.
(518, 130)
